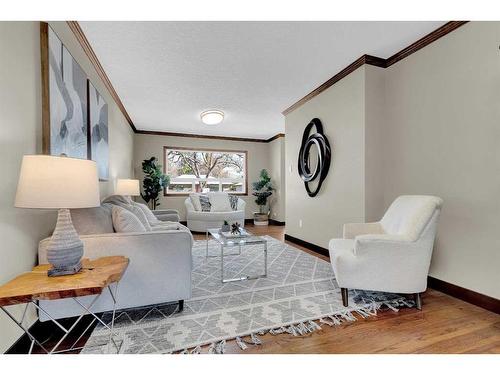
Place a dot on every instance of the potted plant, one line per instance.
(225, 227)
(263, 189)
(154, 182)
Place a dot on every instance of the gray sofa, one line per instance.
(160, 262)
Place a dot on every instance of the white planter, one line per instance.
(260, 219)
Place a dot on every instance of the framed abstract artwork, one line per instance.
(98, 131)
(64, 99)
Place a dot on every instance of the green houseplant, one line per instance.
(154, 182)
(263, 189)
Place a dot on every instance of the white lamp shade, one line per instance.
(127, 187)
(54, 182)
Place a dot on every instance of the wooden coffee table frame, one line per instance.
(96, 276)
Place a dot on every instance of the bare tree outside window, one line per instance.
(205, 170)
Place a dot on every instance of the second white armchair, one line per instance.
(392, 255)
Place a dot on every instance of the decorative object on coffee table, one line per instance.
(57, 182)
(155, 181)
(235, 228)
(225, 227)
(230, 235)
(263, 189)
(31, 287)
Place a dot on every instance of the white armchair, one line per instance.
(392, 255)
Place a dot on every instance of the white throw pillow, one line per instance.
(139, 214)
(150, 216)
(195, 200)
(219, 202)
(125, 221)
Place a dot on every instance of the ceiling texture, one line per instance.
(167, 73)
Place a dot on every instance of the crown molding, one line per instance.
(378, 61)
(223, 138)
(89, 51)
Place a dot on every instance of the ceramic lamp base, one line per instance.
(70, 270)
(65, 249)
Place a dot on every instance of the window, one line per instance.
(201, 171)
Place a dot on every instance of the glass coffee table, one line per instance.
(240, 242)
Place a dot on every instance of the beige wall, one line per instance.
(278, 174)
(20, 115)
(431, 126)
(341, 109)
(443, 117)
(146, 146)
(374, 142)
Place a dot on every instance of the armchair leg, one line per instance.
(345, 296)
(181, 305)
(418, 301)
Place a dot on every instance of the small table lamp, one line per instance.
(58, 182)
(127, 187)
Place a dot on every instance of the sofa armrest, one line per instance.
(165, 211)
(167, 215)
(351, 230)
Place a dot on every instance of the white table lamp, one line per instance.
(58, 182)
(127, 188)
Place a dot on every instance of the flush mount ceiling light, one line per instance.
(212, 117)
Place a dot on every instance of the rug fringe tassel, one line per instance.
(241, 343)
(389, 305)
(196, 350)
(217, 347)
(306, 327)
(255, 339)
(277, 331)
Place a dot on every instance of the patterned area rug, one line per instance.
(298, 296)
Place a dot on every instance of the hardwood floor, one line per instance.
(445, 325)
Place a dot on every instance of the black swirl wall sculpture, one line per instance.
(314, 174)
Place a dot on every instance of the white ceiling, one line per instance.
(166, 73)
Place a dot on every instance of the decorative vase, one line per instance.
(260, 219)
(225, 228)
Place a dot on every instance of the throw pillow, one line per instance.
(233, 200)
(150, 216)
(127, 203)
(125, 221)
(95, 220)
(140, 215)
(205, 204)
(219, 202)
(195, 200)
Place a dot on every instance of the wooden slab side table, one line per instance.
(95, 276)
